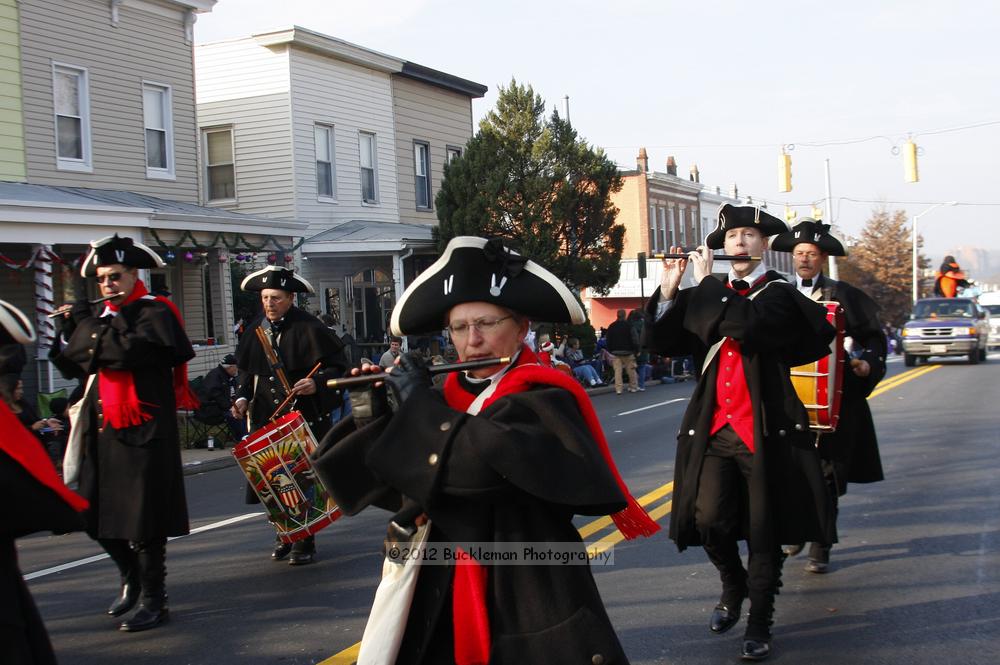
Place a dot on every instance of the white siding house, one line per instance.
(321, 136)
(110, 145)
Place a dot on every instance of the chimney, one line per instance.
(671, 166)
(642, 162)
(566, 108)
(695, 176)
(734, 191)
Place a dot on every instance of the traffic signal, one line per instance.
(642, 265)
(784, 172)
(910, 162)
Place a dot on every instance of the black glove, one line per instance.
(81, 310)
(406, 379)
(367, 404)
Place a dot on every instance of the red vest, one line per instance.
(732, 395)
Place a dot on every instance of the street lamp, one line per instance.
(916, 279)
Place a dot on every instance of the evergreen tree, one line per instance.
(534, 183)
(880, 264)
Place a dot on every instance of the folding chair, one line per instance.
(205, 422)
(45, 400)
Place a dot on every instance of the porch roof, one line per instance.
(63, 208)
(368, 237)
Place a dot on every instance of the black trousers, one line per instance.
(721, 517)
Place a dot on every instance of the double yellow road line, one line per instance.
(349, 656)
(902, 378)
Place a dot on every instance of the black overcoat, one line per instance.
(133, 477)
(777, 329)
(303, 341)
(516, 472)
(31, 507)
(854, 446)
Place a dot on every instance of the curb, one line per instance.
(199, 466)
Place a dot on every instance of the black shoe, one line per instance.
(144, 619)
(819, 559)
(127, 599)
(755, 649)
(818, 567)
(281, 550)
(302, 558)
(723, 618)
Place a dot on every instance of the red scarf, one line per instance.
(119, 398)
(27, 451)
(469, 612)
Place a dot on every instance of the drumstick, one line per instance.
(292, 395)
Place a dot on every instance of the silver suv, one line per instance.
(946, 327)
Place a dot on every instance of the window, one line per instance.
(422, 173)
(369, 194)
(662, 226)
(452, 153)
(158, 120)
(652, 228)
(671, 228)
(71, 100)
(683, 221)
(324, 162)
(220, 181)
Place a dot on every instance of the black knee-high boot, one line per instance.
(153, 602)
(763, 582)
(128, 566)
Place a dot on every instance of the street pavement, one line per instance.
(914, 579)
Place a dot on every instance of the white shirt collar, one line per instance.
(757, 273)
(806, 289)
(495, 375)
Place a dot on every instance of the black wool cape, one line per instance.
(516, 472)
(777, 329)
(133, 477)
(853, 448)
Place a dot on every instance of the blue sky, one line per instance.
(725, 85)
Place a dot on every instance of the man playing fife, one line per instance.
(746, 465)
(135, 352)
(850, 454)
(506, 453)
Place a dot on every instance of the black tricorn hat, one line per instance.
(114, 249)
(813, 232)
(734, 217)
(15, 330)
(475, 269)
(275, 277)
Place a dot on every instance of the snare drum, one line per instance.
(276, 462)
(818, 384)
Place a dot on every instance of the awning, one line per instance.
(369, 238)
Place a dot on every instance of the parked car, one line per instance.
(990, 301)
(946, 327)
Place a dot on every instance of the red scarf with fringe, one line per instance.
(119, 398)
(469, 612)
(27, 451)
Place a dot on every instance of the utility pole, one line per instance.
(829, 220)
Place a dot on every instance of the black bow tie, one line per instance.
(807, 282)
(740, 285)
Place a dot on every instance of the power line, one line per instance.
(821, 142)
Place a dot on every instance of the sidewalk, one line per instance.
(198, 460)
